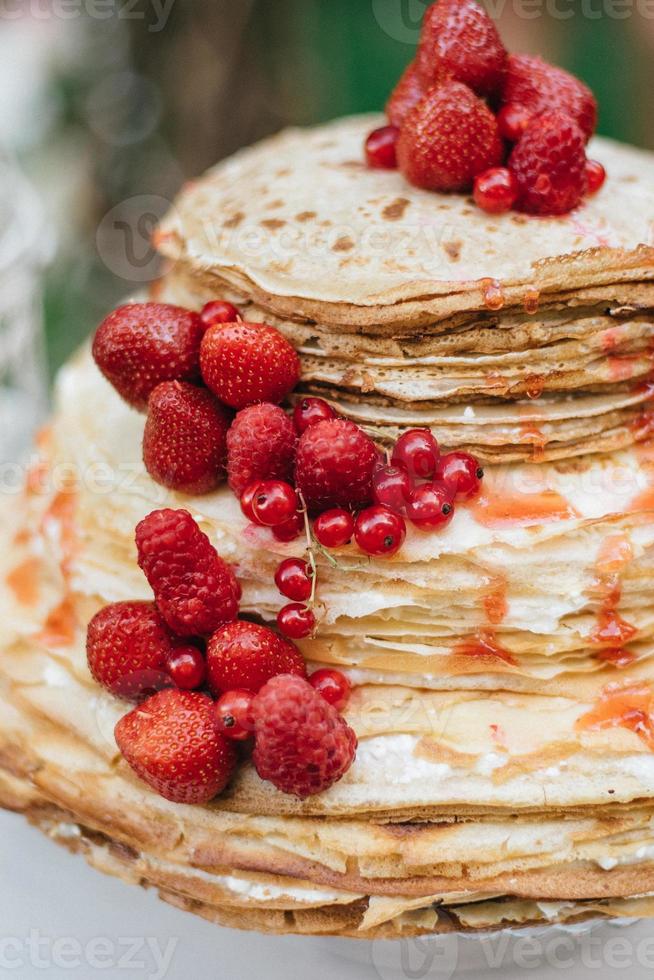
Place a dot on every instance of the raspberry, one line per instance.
(549, 164)
(127, 647)
(243, 363)
(184, 442)
(448, 138)
(172, 743)
(260, 446)
(302, 744)
(334, 465)
(538, 87)
(142, 344)
(406, 94)
(245, 656)
(195, 590)
(459, 39)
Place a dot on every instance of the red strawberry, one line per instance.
(127, 647)
(195, 590)
(448, 139)
(459, 39)
(302, 744)
(142, 344)
(244, 363)
(549, 164)
(172, 743)
(406, 94)
(334, 465)
(244, 656)
(260, 446)
(184, 443)
(537, 86)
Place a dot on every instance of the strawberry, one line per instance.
(459, 40)
(260, 446)
(172, 744)
(243, 363)
(334, 465)
(406, 94)
(127, 648)
(184, 443)
(447, 139)
(549, 164)
(244, 656)
(538, 87)
(302, 744)
(195, 590)
(142, 344)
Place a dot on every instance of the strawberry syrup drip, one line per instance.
(618, 658)
(60, 625)
(484, 646)
(493, 294)
(531, 301)
(532, 434)
(23, 581)
(500, 509)
(623, 707)
(495, 602)
(611, 630)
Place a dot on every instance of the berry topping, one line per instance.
(380, 148)
(448, 138)
(538, 87)
(334, 465)
(196, 591)
(333, 686)
(243, 363)
(459, 39)
(273, 503)
(302, 744)
(184, 444)
(219, 311)
(234, 715)
(260, 446)
(142, 344)
(549, 164)
(309, 411)
(406, 94)
(378, 531)
(171, 742)
(247, 500)
(289, 530)
(245, 655)
(431, 506)
(512, 121)
(296, 621)
(187, 668)
(461, 474)
(392, 487)
(127, 647)
(294, 579)
(595, 176)
(334, 528)
(496, 190)
(417, 452)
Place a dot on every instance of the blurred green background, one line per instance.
(110, 107)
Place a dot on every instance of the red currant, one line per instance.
(234, 715)
(431, 506)
(417, 452)
(289, 530)
(309, 411)
(274, 503)
(294, 579)
(380, 148)
(296, 621)
(219, 311)
(392, 487)
(334, 528)
(378, 531)
(247, 501)
(512, 121)
(187, 668)
(333, 686)
(496, 190)
(595, 176)
(461, 474)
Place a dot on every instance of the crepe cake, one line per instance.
(503, 668)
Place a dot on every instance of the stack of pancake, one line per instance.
(503, 667)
